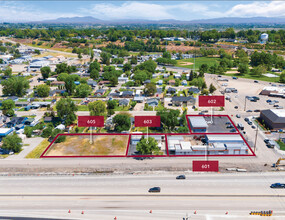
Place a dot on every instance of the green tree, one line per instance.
(282, 77)
(112, 104)
(169, 118)
(114, 81)
(97, 108)
(8, 71)
(105, 58)
(8, 106)
(203, 68)
(12, 142)
(148, 146)
(94, 66)
(243, 68)
(45, 71)
(258, 71)
(212, 88)
(150, 89)
(69, 84)
(16, 86)
(82, 90)
(66, 109)
(47, 131)
(43, 90)
(122, 122)
(94, 74)
(127, 67)
(28, 131)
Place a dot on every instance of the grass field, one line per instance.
(281, 144)
(198, 62)
(79, 145)
(37, 152)
(54, 54)
(261, 78)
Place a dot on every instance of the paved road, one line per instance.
(125, 196)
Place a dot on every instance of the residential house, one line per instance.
(16, 121)
(147, 81)
(171, 82)
(152, 102)
(124, 102)
(160, 82)
(184, 83)
(180, 100)
(14, 98)
(138, 99)
(127, 94)
(104, 82)
(171, 90)
(177, 76)
(91, 83)
(59, 84)
(194, 90)
(100, 92)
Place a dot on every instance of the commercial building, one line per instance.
(198, 124)
(273, 118)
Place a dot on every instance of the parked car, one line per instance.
(253, 127)
(230, 126)
(249, 111)
(255, 81)
(228, 123)
(238, 115)
(233, 130)
(249, 123)
(268, 100)
(236, 107)
(277, 185)
(181, 177)
(256, 110)
(235, 77)
(280, 107)
(266, 141)
(154, 189)
(275, 105)
(246, 119)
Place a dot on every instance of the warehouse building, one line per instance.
(273, 118)
(198, 124)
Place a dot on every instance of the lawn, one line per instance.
(82, 107)
(281, 144)
(121, 108)
(261, 78)
(210, 61)
(37, 152)
(79, 145)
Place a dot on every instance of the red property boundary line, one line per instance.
(86, 134)
(152, 134)
(166, 142)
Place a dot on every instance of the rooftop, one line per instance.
(279, 112)
(198, 122)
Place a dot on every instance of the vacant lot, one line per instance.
(102, 145)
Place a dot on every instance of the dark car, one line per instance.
(249, 111)
(154, 189)
(256, 110)
(277, 185)
(236, 107)
(255, 97)
(233, 130)
(235, 77)
(249, 122)
(255, 81)
(268, 100)
(181, 177)
(228, 123)
(238, 115)
(266, 141)
(230, 126)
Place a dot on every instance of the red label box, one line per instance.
(211, 101)
(147, 121)
(90, 121)
(205, 166)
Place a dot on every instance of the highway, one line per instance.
(123, 195)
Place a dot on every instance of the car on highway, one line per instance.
(277, 185)
(154, 189)
(181, 177)
(238, 115)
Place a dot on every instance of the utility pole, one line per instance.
(255, 138)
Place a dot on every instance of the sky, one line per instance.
(37, 10)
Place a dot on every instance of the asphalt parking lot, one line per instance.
(219, 125)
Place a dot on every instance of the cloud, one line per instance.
(258, 9)
(23, 12)
(128, 10)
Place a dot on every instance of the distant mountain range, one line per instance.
(225, 20)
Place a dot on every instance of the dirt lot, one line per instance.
(186, 63)
(103, 145)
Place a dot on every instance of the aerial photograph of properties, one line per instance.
(141, 109)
